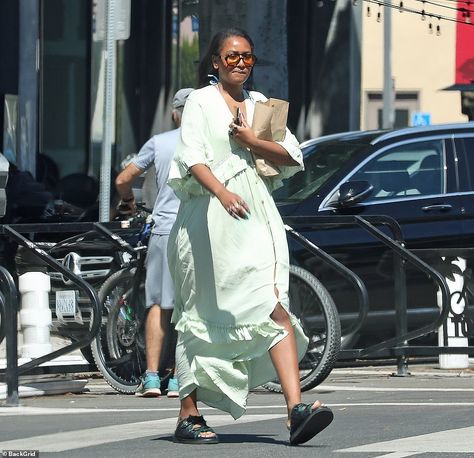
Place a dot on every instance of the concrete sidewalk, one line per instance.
(58, 383)
(48, 384)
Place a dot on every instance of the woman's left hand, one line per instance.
(243, 135)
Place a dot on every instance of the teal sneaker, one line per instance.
(149, 386)
(173, 388)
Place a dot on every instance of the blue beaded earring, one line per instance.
(213, 80)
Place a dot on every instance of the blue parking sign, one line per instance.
(420, 119)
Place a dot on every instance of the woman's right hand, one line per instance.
(234, 204)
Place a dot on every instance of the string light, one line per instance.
(379, 14)
(400, 6)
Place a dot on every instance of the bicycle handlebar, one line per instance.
(119, 241)
(144, 208)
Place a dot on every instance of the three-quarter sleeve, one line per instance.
(292, 146)
(192, 149)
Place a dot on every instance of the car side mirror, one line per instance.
(353, 192)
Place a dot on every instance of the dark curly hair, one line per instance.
(205, 66)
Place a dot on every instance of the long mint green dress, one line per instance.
(225, 270)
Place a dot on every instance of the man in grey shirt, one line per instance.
(159, 290)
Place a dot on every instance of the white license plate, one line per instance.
(66, 303)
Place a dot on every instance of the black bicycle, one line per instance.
(312, 304)
(119, 349)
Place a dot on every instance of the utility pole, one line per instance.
(110, 52)
(388, 114)
(113, 24)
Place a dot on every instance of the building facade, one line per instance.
(325, 57)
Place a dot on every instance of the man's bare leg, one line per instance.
(156, 325)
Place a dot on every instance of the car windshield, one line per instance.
(321, 161)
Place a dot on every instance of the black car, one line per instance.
(423, 177)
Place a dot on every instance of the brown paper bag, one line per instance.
(269, 123)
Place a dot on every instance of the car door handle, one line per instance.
(438, 207)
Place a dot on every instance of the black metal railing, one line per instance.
(398, 344)
(13, 371)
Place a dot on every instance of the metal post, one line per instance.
(388, 90)
(11, 318)
(355, 66)
(400, 285)
(110, 52)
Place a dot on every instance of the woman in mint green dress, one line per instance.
(228, 255)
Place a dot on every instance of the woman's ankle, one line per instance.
(188, 407)
(186, 413)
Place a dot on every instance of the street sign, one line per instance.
(420, 119)
(122, 22)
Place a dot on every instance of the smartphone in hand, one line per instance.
(238, 117)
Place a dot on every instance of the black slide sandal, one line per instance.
(306, 422)
(189, 430)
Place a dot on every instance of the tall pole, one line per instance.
(355, 66)
(388, 114)
(109, 87)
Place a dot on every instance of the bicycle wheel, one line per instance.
(313, 305)
(119, 348)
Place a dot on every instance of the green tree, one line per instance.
(189, 59)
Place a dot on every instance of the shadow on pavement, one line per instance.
(245, 438)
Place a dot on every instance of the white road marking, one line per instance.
(76, 439)
(397, 455)
(459, 440)
(25, 410)
(389, 371)
(100, 387)
(361, 388)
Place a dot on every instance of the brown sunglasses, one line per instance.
(233, 59)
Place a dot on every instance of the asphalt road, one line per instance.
(429, 414)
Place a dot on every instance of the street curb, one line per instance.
(45, 386)
(413, 370)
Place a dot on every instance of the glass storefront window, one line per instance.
(64, 84)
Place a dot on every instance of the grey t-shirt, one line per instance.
(160, 150)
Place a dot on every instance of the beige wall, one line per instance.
(421, 61)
